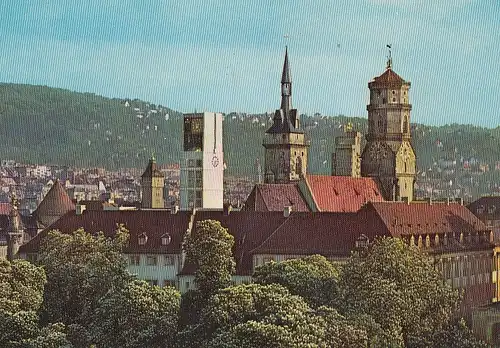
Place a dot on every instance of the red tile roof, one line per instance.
(389, 77)
(154, 223)
(54, 205)
(343, 193)
(422, 218)
(274, 197)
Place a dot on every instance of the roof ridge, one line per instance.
(273, 233)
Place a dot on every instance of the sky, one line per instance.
(227, 55)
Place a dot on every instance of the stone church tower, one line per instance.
(152, 183)
(285, 143)
(388, 154)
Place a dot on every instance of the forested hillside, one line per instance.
(55, 126)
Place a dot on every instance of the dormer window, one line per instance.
(480, 209)
(362, 242)
(142, 239)
(166, 239)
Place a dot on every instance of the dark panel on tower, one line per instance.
(193, 134)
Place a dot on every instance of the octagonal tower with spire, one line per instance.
(388, 154)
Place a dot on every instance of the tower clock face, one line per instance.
(215, 161)
(378, 152)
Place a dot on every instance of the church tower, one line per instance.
(152, 183)
(15, 231)
(388, 154)
(346, 160)
(285, 143)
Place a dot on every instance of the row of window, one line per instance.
(464, 266)
(165, 239)
(151, 260)
(166, 282)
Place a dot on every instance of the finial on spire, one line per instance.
(153, 159)
(389, 57)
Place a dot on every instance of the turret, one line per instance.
(152, 183)
(15, 231)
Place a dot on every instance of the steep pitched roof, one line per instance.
(274, 197)
(389, 77)
(152, 170)
(343, 193)
(154, 223)
(328, 234)
(487, 207)
(54, 205)
(422, 218)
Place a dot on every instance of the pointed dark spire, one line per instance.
(286, 86)
(286, 77)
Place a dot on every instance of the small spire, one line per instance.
(286, 76)
(153, 159)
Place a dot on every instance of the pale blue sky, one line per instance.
(218, 55)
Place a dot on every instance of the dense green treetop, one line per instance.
(314, 278)
(81, 269)
(398, 287)
(268, 316)
(137, 315)
(210, 250)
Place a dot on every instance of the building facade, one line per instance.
(346, 161)
(202, 162)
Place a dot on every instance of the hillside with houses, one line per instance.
(86, 130)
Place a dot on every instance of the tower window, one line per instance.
(384, 100)
(393, 100)
(393, 92)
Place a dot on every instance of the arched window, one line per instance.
(298, 166)
(406, 126)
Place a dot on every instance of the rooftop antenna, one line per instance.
(389, 57)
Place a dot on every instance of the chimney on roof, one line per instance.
(174, 209)
(80, 208)
(448, 201)
(461, 200)
(287, 211)
(430, 200)
(227, 208)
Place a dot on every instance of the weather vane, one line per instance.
(389, 57)
(286, 37)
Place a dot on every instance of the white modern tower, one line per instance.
(202, 163)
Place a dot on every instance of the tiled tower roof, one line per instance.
(54, 205)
